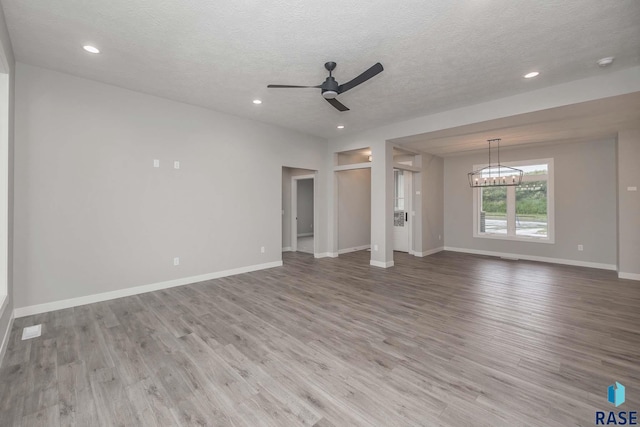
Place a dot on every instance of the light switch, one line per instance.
(156, 163)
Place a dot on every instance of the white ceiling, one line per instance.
(586, 121)
(437, 54)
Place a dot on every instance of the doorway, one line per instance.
(353, 199)
(299, 214)
(302, 209)
(402, 210)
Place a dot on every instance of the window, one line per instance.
(398, 198)
(524, 212)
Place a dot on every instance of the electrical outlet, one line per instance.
(156, 163)
(375, 247)
(261, 249)
(580, 247)
(176, 261)
(176, 165)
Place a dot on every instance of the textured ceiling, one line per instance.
(437, 54)
(585, 121)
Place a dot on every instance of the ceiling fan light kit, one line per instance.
(496, 175)
(330, 88)
(329, 94)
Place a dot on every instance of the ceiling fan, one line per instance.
(331, 88)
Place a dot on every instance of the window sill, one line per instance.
(547, 240)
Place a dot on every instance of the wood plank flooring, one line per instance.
(446, 340)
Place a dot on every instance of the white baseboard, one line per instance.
(286, 249)
(5, 339)
(535, 258)
(381, 264)
(429, 252)
(354, 249)
(105, 296)
(326, 255)
(305, 234)
(629, 276)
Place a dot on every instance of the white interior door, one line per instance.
(401, 207)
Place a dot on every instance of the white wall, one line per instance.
(93, 215)
(7, 271)
(305, 207)
(585, 202)
(354, 208)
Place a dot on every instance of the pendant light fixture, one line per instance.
(495, 175)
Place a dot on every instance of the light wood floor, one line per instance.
(446, 340)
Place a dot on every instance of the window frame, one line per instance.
(511, 205)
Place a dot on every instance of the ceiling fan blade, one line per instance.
(289, 86)
(337, 104)
(371, 72)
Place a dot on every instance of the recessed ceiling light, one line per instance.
(340, 126)
(605, 62)
(531, 75)
(91, 49)
(257, 101)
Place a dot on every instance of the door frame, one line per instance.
(409, 205)
(294, 210)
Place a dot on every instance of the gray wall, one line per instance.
(93, 215)
(585, 202)
(629, 201)
(5, 315)
(287, 173)
(305, 207)
(354, 208)
(432, 202)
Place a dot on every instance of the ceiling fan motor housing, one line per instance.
(330, 88)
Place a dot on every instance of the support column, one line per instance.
(628, 204)
(382, 204)
(332, 208)
(417, 206)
